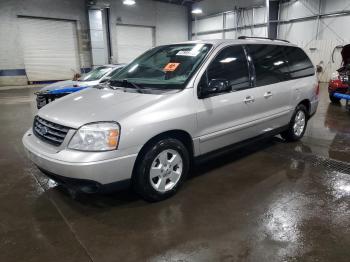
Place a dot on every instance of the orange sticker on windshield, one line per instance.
(171, 67)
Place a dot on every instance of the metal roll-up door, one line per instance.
(50, 48)
(132, 41)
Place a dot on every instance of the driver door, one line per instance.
(225, 117)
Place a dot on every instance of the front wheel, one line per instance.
(161, 170)
(297, 125)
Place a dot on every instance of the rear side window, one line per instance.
(299, 64)
(270, 63)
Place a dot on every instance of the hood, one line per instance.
(93, 105)
(88, 83)
(59, 85)
(345, 53)
(68, 84)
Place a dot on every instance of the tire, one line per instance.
(161, 170)
(297, 126)
(333, 99)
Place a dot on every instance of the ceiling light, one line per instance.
(129, 2)
(197, 11)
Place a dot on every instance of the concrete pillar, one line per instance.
(272, 9)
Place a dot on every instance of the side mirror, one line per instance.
(215, 86)
(105, 80)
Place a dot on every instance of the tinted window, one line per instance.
(230, 65)
(299, 64)
(270, 64)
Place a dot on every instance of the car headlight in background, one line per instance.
(102, 136)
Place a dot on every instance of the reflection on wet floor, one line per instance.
(272, 201)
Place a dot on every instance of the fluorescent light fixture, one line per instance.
(133, 68)
(278, 63)
(129, 2)
(78, 98)
(107, 95)
(197, 11)
(228, 60)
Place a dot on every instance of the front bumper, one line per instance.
(100, 167)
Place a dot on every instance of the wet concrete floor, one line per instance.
(273, 201)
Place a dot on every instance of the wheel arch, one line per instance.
(181, 135)
(307, 104)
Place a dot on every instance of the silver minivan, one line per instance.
(169, 106)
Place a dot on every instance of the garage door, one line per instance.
(50, 49)
(132, 41)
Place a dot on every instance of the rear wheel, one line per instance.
(297, 125)
(161, 170)
(334, 99)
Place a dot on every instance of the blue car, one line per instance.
(56, 90)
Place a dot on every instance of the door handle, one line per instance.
(249, 99)
(268, 94)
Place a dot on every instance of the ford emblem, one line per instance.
(43, 130)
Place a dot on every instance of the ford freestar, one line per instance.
(170, 105)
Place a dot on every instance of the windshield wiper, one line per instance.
(125, 83)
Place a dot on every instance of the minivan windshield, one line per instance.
(164, 67)
(96, 74)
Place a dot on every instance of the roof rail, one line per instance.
(257, 37)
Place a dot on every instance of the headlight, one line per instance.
(96, 137)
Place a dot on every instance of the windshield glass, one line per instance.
(115, 71)
(164, 67)
(96, 74)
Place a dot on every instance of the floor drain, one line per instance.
(315, 160)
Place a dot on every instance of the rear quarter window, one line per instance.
(299, 63)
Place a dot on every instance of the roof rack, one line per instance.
(266, 38)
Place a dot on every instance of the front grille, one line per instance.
(49, 132)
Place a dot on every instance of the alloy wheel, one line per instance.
(166, 170)
(299, 123)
